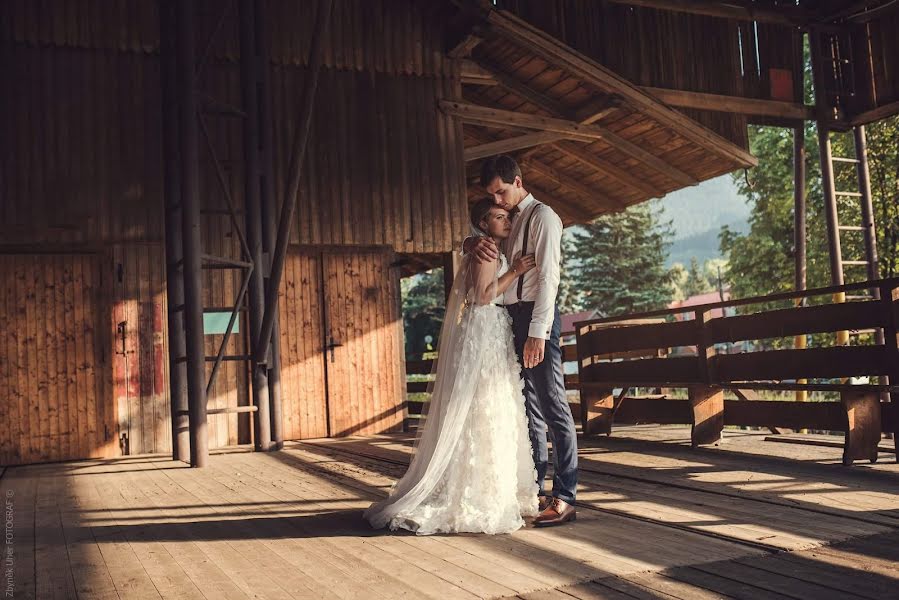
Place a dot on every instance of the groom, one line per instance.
(536, 229)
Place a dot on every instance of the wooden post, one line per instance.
(863, 425)
(799, 234)
(597, 410)
(888, 297)
(707, 403)
(707, 400)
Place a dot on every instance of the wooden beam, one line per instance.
(588, 193)
(473, 113)
(463, 47)
(592, 111)
(535, 41)
(875, 114)
(620, 175)
(568, 212)
(733, 104)
(482, 115)
(472, 73)
(527, 140)
(784, 15)
(524, 91)
(559, 110)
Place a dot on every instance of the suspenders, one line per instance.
(524, 247)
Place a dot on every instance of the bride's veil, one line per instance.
(452, 389)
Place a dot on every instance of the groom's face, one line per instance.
(506, 195)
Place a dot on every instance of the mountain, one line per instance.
(697, 215)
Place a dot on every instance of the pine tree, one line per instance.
(618, 261)
(696, 282)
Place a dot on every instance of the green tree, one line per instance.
(762, 261)
(568, 297)
(423, 307)
(618, 261)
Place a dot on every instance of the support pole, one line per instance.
(191, 235)
(864, 181)
(252, 204)
(173, 241)
(799, 232)
(832, 215)
(298, 152)
(269, 210)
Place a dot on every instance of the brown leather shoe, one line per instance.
(558, 512)
(544, 502)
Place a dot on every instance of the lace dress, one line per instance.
(490, 482)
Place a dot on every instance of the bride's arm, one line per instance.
(486, 285)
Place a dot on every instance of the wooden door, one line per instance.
(139, 349)
(342, 365)
(363, 343)
(304, 401)
(54, 377)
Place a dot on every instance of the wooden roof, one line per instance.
(589, 141)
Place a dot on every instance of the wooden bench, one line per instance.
(706, 374)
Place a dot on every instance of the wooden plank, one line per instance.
(781, 15)
(660, 586)
(721, 585)
(626, 337)
(776, 583)
(642, 371)
(473, 113)
(732, 104)
(846, 361)
(511, 144)
(827, 416)
(795, 321)
(846, 578)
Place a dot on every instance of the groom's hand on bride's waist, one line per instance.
(483, 248)
(533, 352)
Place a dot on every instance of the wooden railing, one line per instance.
(706, 373)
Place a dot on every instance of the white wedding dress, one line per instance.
(473, 470)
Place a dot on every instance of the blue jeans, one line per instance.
(547, 406)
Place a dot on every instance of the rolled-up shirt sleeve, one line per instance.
(547, 236)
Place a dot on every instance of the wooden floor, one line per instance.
(749, 519)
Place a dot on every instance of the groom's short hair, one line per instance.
(502, 166)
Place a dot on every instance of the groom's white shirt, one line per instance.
(541, 285)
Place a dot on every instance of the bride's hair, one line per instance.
(479, 210)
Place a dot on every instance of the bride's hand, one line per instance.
(523, 264)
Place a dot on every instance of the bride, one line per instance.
(472, 468)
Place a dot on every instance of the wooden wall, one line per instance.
(81, 176)
(82, 160)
